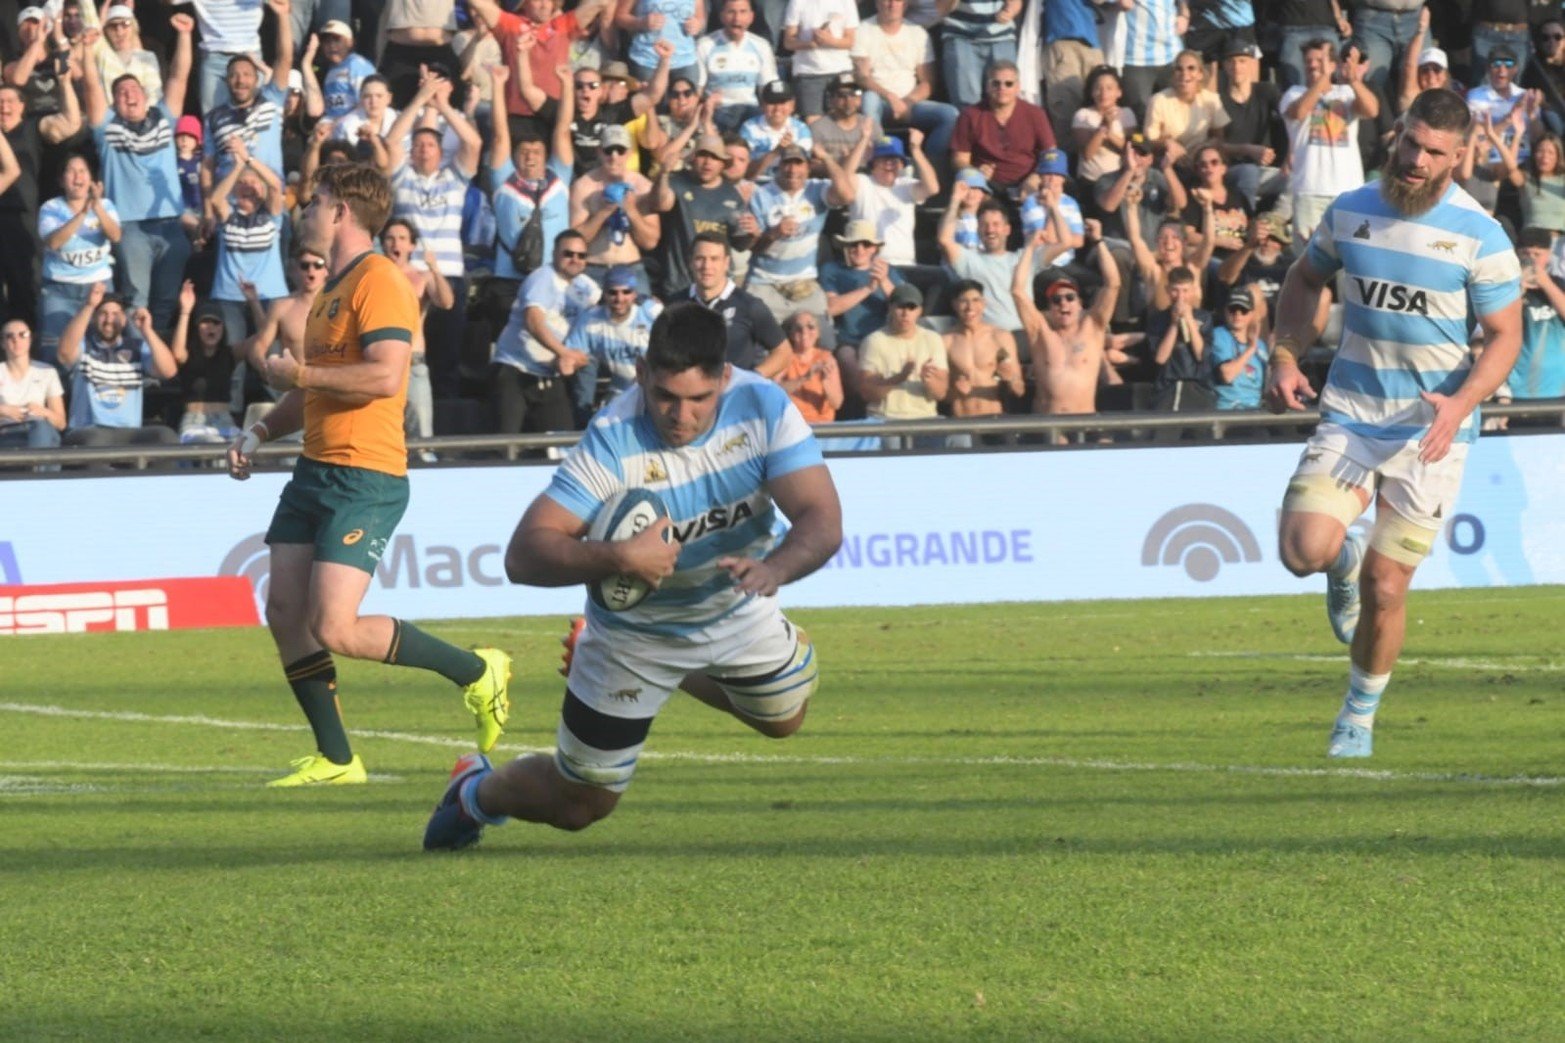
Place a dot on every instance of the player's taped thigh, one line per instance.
(1317, 493)
(1399, 539)
(779, 694)
(594, 749)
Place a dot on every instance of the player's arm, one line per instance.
(286, 417)
(1298, 326)
(808, 499)
(1502, 344)
(547, 550)
(380, 375)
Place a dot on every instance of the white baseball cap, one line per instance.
(1433, 56)
(30, 14)
(118, 13)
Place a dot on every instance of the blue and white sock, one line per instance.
(1364, 692)
(1347, 557)
(467, 793)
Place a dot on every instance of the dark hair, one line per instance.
(1316, 44)
(1440, 109)
(569, 233)
(92, 168)
(710, 237)
(993, 206)
(731, 139)
(1559, 157)
(530, 135)
(439, 137)
(1181, 276)
(687, 81)
(961, 286)
(1210, 146)
(121, 78)
(687, 335)
(336, 151)
(1101, 72)
(405, 223)
(374, 77)
(1537, 238)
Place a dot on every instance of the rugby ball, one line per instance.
(622, 516)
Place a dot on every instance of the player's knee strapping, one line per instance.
(1399, 539)
(778, 695)
(595, 749)
(1323, 494)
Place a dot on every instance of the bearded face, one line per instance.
(1418, 169)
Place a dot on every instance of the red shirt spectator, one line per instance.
(553, 34)
(1002, 135)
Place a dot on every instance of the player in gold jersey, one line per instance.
(349, 488)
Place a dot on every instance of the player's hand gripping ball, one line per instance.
(620, 518)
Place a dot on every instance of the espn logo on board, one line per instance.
(158, 604)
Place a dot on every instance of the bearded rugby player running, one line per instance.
(1398, 411)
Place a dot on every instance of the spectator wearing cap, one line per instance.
(248, 208)
(122, 53)
(791, 213)
(1540, 368)
(1322, 118)
(886, 199)
(613, 207)
(229, 29)
(774, 130)
(429, 193)
(206, 370)
(673, 23)
(895, 64)
(32, 399)
(903, 371)
(1185, 116)
(78, 228)
(254, 110)
(582, 118)
(820, 35)
(1239, 352)
(1002, 135)
(552, 34)
(140, 167)
(698, 199)
(1496, 100)
(1047, 205)
(109, 353)
(187, 149)
(755, 341)
(531, 358)
(1220, 27)
(44, 62)
(1254, 137)
(858, 288)
(839, 130)
(736, 64)
(531, 191)
(1263, 261)
(1385, 29)
(975, 36)
(337, 93)
(977, 193)
(613, 335)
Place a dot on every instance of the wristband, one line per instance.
(248, 443)
(1282, 355)
(266, 432)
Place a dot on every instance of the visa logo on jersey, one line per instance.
(1390, 296)
(718, 518)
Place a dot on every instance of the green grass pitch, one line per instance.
(1094, 821)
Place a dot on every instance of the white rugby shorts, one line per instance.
(1424, 494)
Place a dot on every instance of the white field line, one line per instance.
(690, 757)
(1440, 662)
(148, 769)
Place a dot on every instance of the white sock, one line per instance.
(1363, 699)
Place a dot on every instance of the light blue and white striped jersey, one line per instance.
(1149, 34)
(1414, 288)
(106, 382)
(789, 259)
(613, 346)
(86, 257)
(230, 26)
(433, 205)
(762, 137)
(979, 20)
(340, 85)
(715, 489)
(141, 165)
(736, 71)
(260, 124)
(249, 250)
(1035, 217)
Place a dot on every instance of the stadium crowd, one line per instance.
(903, 209)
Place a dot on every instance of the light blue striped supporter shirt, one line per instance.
(736, 71)
(613, 346)
(141, 165)
(260, 124)
(230, 26)
(85, 257)
(715, 489)
(979, 20)
(762, 137)
(249, 250)
(1148, 29)
(1414, 288)
(433, 205)
(787, 260)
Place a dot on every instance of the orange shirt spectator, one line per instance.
(811, 377)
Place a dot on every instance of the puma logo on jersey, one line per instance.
(1444, 246)
(1377, 293)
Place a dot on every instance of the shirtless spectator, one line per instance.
(983, 358)
(614, 209)
(398, 240)
(416, 32)
(1067, 343)
(282, 329)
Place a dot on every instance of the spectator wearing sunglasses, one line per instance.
(1003, 135)
(613, 207)
(1239, 351)
(614, 336)
(1501, 25)
(1515, 112)
(1547, 73)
